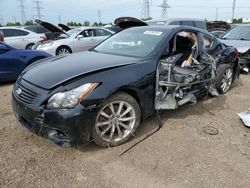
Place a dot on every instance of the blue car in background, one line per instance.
(13, 61)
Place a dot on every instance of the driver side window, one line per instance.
(87, 33)
(185, 44)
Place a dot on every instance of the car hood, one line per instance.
(55, 71)
(218, 25)
(127, 22)
(64, 27)
(237, 43)
(49, 26)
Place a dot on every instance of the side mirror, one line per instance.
(79, 37)
(4, 48)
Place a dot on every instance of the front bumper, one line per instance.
(50, 49)
(64, 127)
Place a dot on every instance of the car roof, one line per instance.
(13, 27)
(175, 19)
(173, 27)
(242, 25)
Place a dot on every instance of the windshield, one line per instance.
(136, 42)
(238, 33)
(73, 31)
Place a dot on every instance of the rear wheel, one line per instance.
(63, 50)
(29, 46)
(225, 78)
(117, 120)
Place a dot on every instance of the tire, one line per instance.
(63, 50)
(225, 78)
(29, 46)
(117, 127)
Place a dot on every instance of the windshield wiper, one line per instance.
(93, 50)
(244, 39)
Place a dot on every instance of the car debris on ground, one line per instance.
(245, 117)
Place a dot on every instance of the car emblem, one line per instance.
(18, 91)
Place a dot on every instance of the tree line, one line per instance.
(71, 23)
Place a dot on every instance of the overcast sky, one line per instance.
(80, 10)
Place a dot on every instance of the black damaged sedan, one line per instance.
(103, 94)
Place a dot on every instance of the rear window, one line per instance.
(175, 23)
(200, 24)
(188, 23)
(14, 32)
(37, 29)
(101, 32)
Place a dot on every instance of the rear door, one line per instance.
(100, 35)
(85, 42)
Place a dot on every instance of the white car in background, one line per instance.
(20, 38)
(75, 40)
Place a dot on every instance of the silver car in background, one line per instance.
(20, 38)
(76, 40)
(239, 37)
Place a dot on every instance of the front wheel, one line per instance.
(29, 46)
(63, 50)
(117, 120)
(225, 78)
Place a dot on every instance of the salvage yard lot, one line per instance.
(181, 154)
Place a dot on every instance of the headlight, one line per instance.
(70, 98)
(46, 45)
(243, 49)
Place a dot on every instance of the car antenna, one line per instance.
(159, 126)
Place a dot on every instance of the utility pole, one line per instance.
(164, 6)
(38, 8)
(99, 15)
(1, 21)
(59, 19)
(22, 10)
(217, 14)
(233, 10)
(14, 18)
(146, 9)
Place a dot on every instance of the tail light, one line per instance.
(1, 38)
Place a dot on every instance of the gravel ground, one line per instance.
(181, 154)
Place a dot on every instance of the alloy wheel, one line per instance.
(227, 80)
(115, 121)
(63, 51)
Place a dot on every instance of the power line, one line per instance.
(217, 14)
(59, 19)
(164, 6)
(146, 9)
(99, 15)
(38, 9)
(22, 10)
